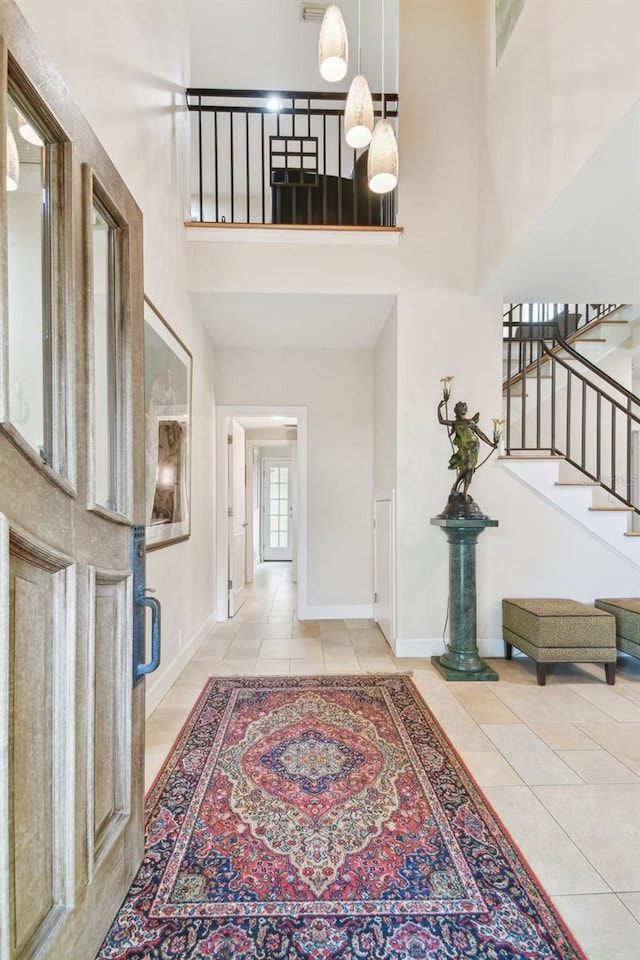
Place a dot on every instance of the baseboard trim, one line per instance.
(487, 647)
(158, 686)
(348, 612)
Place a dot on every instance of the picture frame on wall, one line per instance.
(168, 368)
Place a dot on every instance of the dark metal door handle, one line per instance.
(154, 663)
(140, 602)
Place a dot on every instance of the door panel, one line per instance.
(39, 664)
(71, 487)
(105, 753)
(110, 734)
(383, 566)
(32, 597)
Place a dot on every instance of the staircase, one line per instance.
(572, 422)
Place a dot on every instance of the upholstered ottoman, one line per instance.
(554, 630)
(627, 614)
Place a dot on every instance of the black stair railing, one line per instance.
(279, 157)
(558, 402)
(528, 323)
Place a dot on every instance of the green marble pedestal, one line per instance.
(461, 661)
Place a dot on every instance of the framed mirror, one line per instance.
(168, 371)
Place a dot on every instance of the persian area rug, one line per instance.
(326, 818)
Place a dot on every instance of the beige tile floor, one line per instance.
(560, 764)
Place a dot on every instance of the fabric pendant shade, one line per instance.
(13, 161)
(333, 48)
(382, 164)
(358, 114)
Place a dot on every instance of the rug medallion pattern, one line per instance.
(326, 819)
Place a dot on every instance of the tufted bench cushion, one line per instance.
(554, 629)
(627, 614)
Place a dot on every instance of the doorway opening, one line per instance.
(261, 498)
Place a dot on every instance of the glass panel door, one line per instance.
(276, 533)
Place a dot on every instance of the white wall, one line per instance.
(443, 328)
(569, 75)
(336, 387)
(126, 65)
(385, 392)
(280, 49)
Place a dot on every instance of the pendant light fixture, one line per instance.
(358, 114)
(382, 164)
(333, 48)
(13, 161)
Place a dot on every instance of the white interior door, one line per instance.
(71, 490)
(255, 507)
(237, 517)
(277, 509)
(383, 565)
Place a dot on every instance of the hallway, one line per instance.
(560, 764)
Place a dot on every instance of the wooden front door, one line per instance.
(71, 490)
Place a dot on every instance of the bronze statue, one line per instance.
(465, 436)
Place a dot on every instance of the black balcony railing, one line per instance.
(273, 157)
